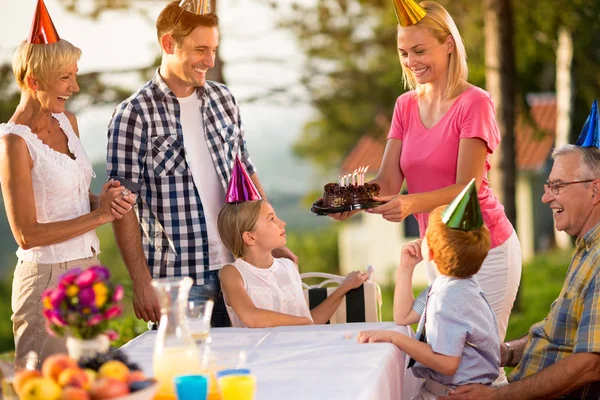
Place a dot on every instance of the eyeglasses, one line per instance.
(556, 186)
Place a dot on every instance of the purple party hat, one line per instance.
(241, 188)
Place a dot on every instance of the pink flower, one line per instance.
(56, 297)
(86, 278)
(118, 294)
(112, 335)
(112, 312)
(94, 320)
(68, 277)
(54, 317)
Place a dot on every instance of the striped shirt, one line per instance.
(573, 323)
(459, 322)
(146, 153)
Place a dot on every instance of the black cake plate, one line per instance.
(319, 209)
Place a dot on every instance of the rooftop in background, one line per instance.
(534, 138)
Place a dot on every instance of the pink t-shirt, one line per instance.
(430, 156)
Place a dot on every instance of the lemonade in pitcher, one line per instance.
(174, 362)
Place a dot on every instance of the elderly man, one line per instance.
(560, 357)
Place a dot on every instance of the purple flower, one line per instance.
(86, 278)
(94, 320)
(112, 312)
(102, 272)
(87, 297)
(118, 294)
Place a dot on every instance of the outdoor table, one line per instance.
(309, 362)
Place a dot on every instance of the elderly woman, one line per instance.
(45, 177)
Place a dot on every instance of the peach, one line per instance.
(91, 374)
(114, 369)
(136, 376)
(40, 389)
(55, 364)
(74, 376)
(108, 388)
(74, 393)
(23, 376)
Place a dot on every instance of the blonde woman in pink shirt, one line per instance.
(442, 135)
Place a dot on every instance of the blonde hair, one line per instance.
(441, 25)
(179, 23)
(42, 61)
(457, 253)
(235, 219)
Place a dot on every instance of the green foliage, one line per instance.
(317, 251)
(6, 336)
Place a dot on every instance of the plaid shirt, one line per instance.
(573, 324)
(147, 154)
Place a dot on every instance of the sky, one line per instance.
(119, 41)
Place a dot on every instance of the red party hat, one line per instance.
(42, 28)
(241, 188)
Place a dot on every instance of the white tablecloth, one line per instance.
(309, 362)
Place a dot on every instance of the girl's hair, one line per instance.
(235, 219)
(42, 61)
(441, 25)
(457, 253)
(179, 23)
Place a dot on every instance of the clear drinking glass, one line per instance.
(9, 369)
(199, 313)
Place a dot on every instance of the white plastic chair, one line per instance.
(359, 305)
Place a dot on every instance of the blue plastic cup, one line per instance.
(191, 387)
(233, 371)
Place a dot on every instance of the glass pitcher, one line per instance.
(175, 352)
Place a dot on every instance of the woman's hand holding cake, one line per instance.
(396, 208)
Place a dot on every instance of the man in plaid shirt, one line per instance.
(174, 142)
(560, 357)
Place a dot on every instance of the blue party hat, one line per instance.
(590, 134)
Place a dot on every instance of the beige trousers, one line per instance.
(29, 329)
(431, 390)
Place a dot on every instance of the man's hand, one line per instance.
(472, 392)
(284, 252)
(145, 302)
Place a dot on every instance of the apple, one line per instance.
(75, 377)
(114, 369)
(74, 393)
(40, 389)
(23, 376)
(108, 388)
(55, 364)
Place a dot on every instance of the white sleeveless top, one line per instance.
(60, 189)
(277, 288)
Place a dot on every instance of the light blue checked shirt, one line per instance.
(146, 152)
(460, 323)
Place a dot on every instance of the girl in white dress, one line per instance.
(260, 290)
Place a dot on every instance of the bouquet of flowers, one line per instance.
(82, 304)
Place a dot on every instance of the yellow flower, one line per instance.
(86, 310)
(101, 292)
(47, 303)
(72, 291)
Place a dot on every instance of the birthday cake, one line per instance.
(336, 195)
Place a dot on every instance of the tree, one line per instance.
(500, 78)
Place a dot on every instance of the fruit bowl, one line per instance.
(143, 394)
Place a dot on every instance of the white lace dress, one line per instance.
(60, 189)
(277, 288)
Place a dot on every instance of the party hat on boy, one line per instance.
(42, 28)
(241, 188)
(408, 12)
(464, 213)
(590, 134)
(198, 7)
